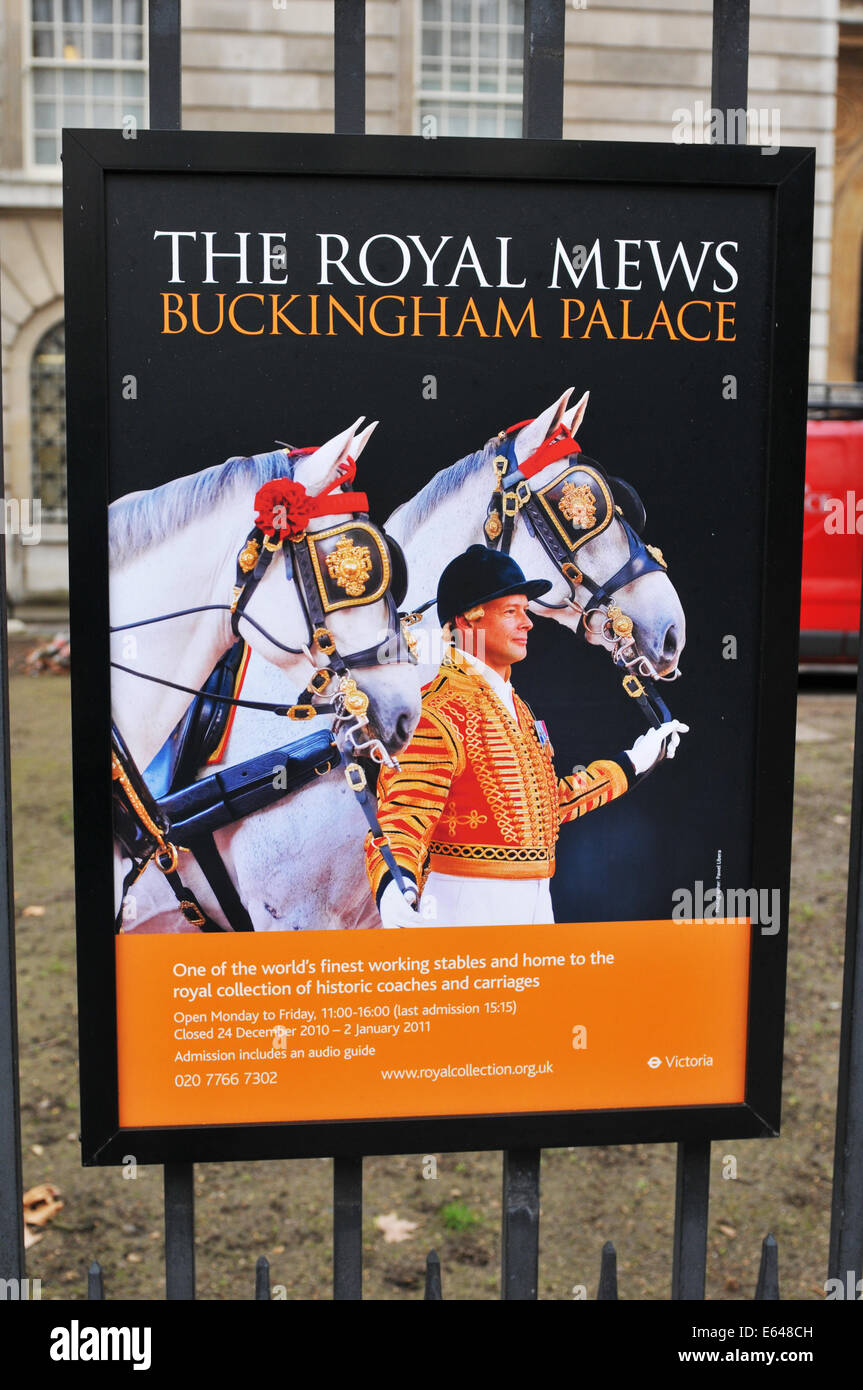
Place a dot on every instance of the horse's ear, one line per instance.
(573, 418)
(319, 470)
(548, 423)
(362, 439)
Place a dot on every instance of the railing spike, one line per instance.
(607, 1273)
(95, 1282)
(767, 1289)
(433, 1291)
(262, 1280)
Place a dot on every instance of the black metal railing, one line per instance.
(542, 118)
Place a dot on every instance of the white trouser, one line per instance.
(449, 900)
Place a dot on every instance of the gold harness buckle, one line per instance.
(193, 915)
(632, 685)
(517, 498)
(325, 640)
(571, 572)
(355, 777)
(299, 713)
(320, 680)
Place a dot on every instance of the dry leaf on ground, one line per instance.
(395, 1227)
(41, 1204)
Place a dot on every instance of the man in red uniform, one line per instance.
(473, 813)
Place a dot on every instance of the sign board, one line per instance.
(263, 299)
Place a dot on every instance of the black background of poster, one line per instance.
(656, 416)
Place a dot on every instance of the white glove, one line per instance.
(396, 908)
(655, 745)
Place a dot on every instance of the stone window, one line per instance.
(470, 66)
(87, 67)
(48, 423)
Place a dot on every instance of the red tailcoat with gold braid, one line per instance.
(477, 795)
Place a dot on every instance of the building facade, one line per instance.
(633, 71)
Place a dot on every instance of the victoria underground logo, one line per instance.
(681, 1061)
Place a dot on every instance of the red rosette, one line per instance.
(283, 506)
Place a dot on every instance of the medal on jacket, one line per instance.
(541, 732)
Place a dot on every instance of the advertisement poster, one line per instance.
(303, 388)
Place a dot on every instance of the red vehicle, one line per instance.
(832, 527)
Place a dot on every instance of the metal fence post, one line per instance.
(846, 1223)
(347, 1229)
(349, 67)
(165, 65)
(542, 110)
(11, 1210)
(166, 114)
(730, 79)
(520, 1237)
(349, 103)
(542, 118)
(179, 1231)
(728, 92)
(690, 1219)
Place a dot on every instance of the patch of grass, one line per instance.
(457, 1216)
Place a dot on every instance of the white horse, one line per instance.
(299, 865)
(448, 515)
(174, 551)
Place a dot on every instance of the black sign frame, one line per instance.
(91, 158)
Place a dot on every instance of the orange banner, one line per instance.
(288, 1026)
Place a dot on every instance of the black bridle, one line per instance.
(253, 562)
(513, 496)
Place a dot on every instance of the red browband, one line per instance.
(342, 501)
(298, 507)
(559, 447)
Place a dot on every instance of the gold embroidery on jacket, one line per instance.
(421, 805)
